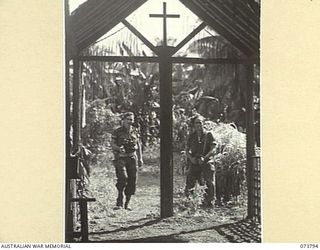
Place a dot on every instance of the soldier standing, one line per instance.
(127, 155)
(200, 149)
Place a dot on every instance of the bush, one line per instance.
(191, 203)
(101, 121)
(230, 161)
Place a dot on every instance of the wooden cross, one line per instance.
(166, 156)
(165, 16)
(165, 71)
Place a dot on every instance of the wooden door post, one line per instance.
(76, 104)
(250, 139)
(166, 158)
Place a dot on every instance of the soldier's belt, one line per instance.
(127, 154)
(196, 155)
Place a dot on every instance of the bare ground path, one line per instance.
(143, 224)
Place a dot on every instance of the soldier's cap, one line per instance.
(125, 115)
(196, 117)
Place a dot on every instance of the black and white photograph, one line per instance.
(162, 121)
(135, 123)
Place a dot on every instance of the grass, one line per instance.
(190, 223)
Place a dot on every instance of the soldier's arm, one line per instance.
(189, 156)
(114, 146)
(113, 143)
(139, 153)
(187, 148)
(212, 144)
(188, 153)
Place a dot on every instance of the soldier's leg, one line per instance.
(120, 166)
(219, 186)
(208, 176)
(192, 177)
(130, 189)
(229, 185)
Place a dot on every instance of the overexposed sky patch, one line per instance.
(73, 4)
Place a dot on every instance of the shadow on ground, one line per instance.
(133, 227)
(238, 232)
(241, 231)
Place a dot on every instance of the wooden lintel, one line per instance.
(190, 60)
(151, 59)
(82, 199)
(139, 35)
(189, 37)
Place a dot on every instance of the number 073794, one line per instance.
(312, 246)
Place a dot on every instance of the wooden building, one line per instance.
(238, 21)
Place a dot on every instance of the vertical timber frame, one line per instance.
(76, 134)
(72, 159)
(68, 212)
(76, 103)
(166, 155)
(250, 141)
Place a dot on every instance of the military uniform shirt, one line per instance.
(128, 139)
(196, 144)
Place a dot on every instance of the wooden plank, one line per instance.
(218, 16)
(218, 27)
(161, 15)
(82, 199)
(83, 204)
(74, 207)
(90, 14)
(241, 5)
(240, 16)
(107, 23)
(98, 19)
(166, 156)
(84, 220)
(189, 37)
(67, 85)
(71, 235)
(190, 60)
(76, 104)
(139, 35)
(250, 139)
(68, 210)
(241, 29)
(119, 59)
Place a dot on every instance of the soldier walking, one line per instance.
(127, 156)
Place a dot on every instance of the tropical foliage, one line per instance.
(216, 91)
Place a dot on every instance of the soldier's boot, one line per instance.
(126, 204)
(208, 201)
(119, 203)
